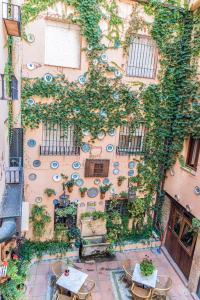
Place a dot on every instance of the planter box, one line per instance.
(91, 227)
(96, 247)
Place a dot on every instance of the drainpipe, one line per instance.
(7, 229)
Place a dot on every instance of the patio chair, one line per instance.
(127, 271)
(139, 293)
(163, 285)
(57, 268)
(85, 291)
(59, 296)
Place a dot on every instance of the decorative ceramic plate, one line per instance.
(197, 190)
(32, 176)
(92, 192)
(103, 113)
(56, 177)
(76, 165)
(106, 181)
(89, 47)
(31, 143)
(77, 110)
(75, 176)
(101, 135)
(109, 148)
(79, 182)
(82, 79)
(30, 66)
(131, 164)
(112, 132)
(30, 37)
(85, 132)
(116, 171)
(48, 77)
(131, 173)
(36, 163)
(116, 96)
(54, 165)
(97, 181)
(118, 73)
(82, 204)
(55, 201)
(113, 190)
(38, 199)
(30, 101)
(85, 147)
(104, 57)
(116, 164)
(95, 61)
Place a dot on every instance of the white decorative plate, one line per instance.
(80, 182)
(48, 77)
(82, 79)
(118, 73)
(116, 171)
(30, 37)
(116, 96)
(131, 164)
(112, 132)
(109, 148)
(197, 190)
(30, 101)
(104, 57)
(32, 176)
(101, 135)
(76, 165)
(38, 199)
(57, 177)
(95, 61)
(106, 181)
(75, 176)
(85, 132)
(54, 165)
(116, 164)
(103, 113)
(30, 66)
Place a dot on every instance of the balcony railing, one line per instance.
(12, 18)
(6, 92)
(128, 150)
(55, 150)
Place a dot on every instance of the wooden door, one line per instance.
(180, 240)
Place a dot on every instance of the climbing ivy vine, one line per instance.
(103, 102)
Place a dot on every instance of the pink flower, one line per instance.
(5, 263)
(15, 257)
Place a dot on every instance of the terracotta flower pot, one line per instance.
(82, 194)
(70, 189)
(102, 195)
(119, 182)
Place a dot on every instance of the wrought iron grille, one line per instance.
(3, 88)
(131, 141)
(142, 57)
(121, 207)
(11, 12)
(8, 92)
(16, 147)
(69, 220)
(58, 141)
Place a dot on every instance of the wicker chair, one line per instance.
(163, 285)
(127, 271)
(140, 293)
(59, 296)
(85, 291)
(57, 268)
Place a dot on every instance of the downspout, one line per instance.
(7, 229)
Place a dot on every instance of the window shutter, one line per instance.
(14, 88)
(89, 168)
(106, 164)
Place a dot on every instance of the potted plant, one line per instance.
(70, 185)
(83, 190)
(120, 180)
(50, 192)
(124, 195)
(103, 189)
(146, 266)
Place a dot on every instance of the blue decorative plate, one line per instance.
(82, 79)
(48, 77)
(116, 171)
(130, 173)
(77, 110)
(104, 57)
(112, 132)
(75, 176)
(30, 101)
(109, 148)
(57, 177)
(97, 181)
(31, 143)
(55, 201)
(36, 163)
(197, 190)
(131, 164)
(116, 164)
(118, 73)
(101, 135)
(30, 66)
(79, 182)
(32, 176)
(54, 164)
(92, 192)
(103, 113)
(116, 96)
(76, 165)
(106, 181)
(85, 147)
(85, 132)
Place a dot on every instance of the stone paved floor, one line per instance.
(100, 272)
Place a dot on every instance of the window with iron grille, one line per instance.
(8, 92)
(193, 153)
(69, 221)
(142, 57)
(58, 141)
(121, 207)
(131, 141)
(97, 167)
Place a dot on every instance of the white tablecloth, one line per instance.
(74, 281)
(149, 281)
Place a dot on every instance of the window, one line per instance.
(62, 45)
(131, 140)
(121, 206)
(142, 57)
(97, 167)
(193, 153)
(58, 141)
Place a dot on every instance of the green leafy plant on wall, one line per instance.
(39, 219)
(50, 192)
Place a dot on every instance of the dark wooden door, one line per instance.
(180, 239)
